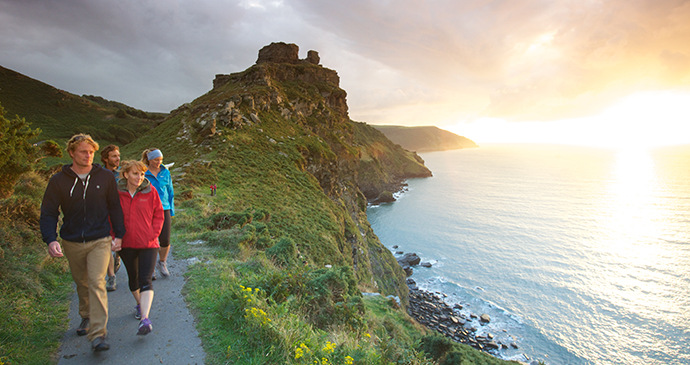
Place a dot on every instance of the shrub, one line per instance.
(51, 148)
(335, 299)
(261, 215)
(16, 154)
(453, 358)
(283, 253)
(436, 345)
(227, 220)
(122, 134)
(24, 205)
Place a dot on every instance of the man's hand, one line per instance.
(117, 244)
(54, 249)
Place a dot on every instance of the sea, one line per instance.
(579, 255)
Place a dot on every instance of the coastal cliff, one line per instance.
(425, 138)
(288, 118)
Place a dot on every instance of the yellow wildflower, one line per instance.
(348, 360)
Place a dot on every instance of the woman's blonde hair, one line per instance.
(145, 157)
(128, 166)
(79, 138)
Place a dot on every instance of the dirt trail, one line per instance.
(174, 339)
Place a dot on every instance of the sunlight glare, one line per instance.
(641, 120)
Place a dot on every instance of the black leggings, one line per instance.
(164, 237)
(140, 264)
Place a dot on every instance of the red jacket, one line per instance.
(143, 215)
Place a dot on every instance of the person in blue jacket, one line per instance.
(159, 176)
(87, 195)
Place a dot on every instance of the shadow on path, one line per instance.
(174, 339)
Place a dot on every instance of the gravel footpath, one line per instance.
(174, 339)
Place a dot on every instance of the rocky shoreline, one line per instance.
(431, 310)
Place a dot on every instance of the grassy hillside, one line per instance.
(60, 114)
(425, 139)
(284, 249)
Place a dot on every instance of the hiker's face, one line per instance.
(155, 163)
(82, 155)
(113, 160)
(134, 178)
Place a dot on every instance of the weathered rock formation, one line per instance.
(298, 106)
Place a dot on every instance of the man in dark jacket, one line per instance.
(110, 156)
(87, 196)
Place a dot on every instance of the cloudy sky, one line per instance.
(491, 70)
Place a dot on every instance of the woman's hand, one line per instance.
(116, 244)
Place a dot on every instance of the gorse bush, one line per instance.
(283, 253)
(17, 155)
(334, 298)
(227, 220)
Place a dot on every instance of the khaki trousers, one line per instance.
(88, 262)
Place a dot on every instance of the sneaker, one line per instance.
(83, 327)
(100, 344)
(116, 262)
(145, 327)
(153, 277)
(137, 314)
(163, 268)
(111, 283)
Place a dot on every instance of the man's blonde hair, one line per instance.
(79, 138)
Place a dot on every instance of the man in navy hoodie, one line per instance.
(87, 196)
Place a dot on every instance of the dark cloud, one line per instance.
(403, 62)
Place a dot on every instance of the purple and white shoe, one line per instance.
(145, 327)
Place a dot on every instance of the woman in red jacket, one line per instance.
(144, 218)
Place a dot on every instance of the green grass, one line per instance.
(35, 290)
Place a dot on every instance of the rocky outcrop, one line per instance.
(303, 109)
(279, 53)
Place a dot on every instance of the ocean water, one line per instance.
(579, 255)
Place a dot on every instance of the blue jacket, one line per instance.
(163, 184)
(89, 207)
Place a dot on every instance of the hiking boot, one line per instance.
(100, 344)
(111, 283)
(163, 268)
(137, 314)
(83, 327)
(145, 327)
(116, 262)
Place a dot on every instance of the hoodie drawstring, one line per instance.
(75, 184)
(88, 178)
(86, 186)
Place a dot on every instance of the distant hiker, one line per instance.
(144, 219)
(87, 196)
(213, 190)
(110, 156)
(159, 176)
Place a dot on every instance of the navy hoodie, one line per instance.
(86, 206)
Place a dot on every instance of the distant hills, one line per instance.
(424, 139)
(61, 114)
